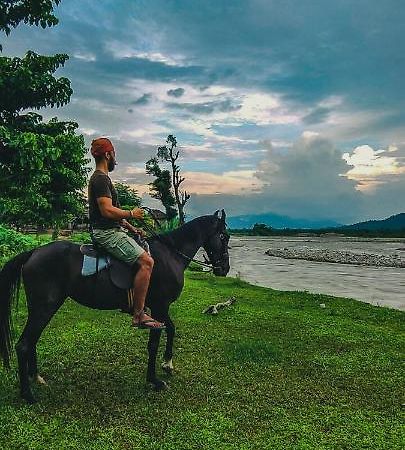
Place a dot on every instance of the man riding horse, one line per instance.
(107, 224)
(54, 272)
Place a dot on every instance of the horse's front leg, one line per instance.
(153, 345)
(167, 364)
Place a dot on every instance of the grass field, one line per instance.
(274, 371)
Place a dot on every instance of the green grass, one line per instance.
(274, 371)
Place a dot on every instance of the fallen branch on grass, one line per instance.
(214, 309)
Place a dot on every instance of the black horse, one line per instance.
(52, 272)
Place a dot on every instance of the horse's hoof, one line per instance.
(29, 398)
(167, 366)
(159, 385)
(40, 380)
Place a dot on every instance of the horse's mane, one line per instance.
(188, 228)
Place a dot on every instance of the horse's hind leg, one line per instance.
(38, 318)
(167, 364)
(33, 362)
(33, 367)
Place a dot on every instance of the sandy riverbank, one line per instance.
(338, 256)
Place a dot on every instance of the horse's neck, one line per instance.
(187, 240)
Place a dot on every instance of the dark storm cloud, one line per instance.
(143, 100)
(304, 52)
(207, 108)
(307, 180)
(178, 92)
(317, 115)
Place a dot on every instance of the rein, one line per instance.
(157, 236)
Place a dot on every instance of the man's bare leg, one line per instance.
(140, 289)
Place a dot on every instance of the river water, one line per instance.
(384, 286)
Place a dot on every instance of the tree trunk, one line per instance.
(180, 208)
(55, 233)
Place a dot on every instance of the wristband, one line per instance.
(130, 213)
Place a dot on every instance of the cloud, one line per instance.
(120, 50)
(310, 179)
(317, 115)
(225, 183)
(143, 100)
(307, 174)
(208, 107)
(178, 92)
(304, 54)
(372, 168)
(318, 83)
(300, 181)
(134, 176)
(89, 57)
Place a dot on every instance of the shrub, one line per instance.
(169, 225)
(81, 238)
(13, 242)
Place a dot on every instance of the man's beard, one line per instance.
(111, 165)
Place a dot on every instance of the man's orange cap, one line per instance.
(100, 146)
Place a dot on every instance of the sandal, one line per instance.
(146, 324)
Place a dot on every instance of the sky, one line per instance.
(295, 107)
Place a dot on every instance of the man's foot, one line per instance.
(144, 321)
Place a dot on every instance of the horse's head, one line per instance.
(216, 245)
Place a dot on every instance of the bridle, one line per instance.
(224, 238)
(209, 263)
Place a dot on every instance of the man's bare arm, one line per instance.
(111, 212)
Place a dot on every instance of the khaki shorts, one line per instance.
(118, 244)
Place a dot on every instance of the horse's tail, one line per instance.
(10, 277)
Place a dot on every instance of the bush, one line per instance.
(169, 225)
(12, 242)
(81, 238)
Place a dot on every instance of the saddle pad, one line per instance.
(90, 264)
(121, 274)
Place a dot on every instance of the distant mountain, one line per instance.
(393, 223)
(277, 221)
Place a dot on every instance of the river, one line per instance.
(383, 286)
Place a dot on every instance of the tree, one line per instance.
(169, 154)
(27, 83)
(42, 175)
(127, 197)
(42, 165)
(32, 12)
(261, 229)
(161, 187)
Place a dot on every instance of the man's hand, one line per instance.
(130, 227)
(125, 224)
(137, 213)
(140, 232)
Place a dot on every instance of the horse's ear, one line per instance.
(216, 213)
(223, 217)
